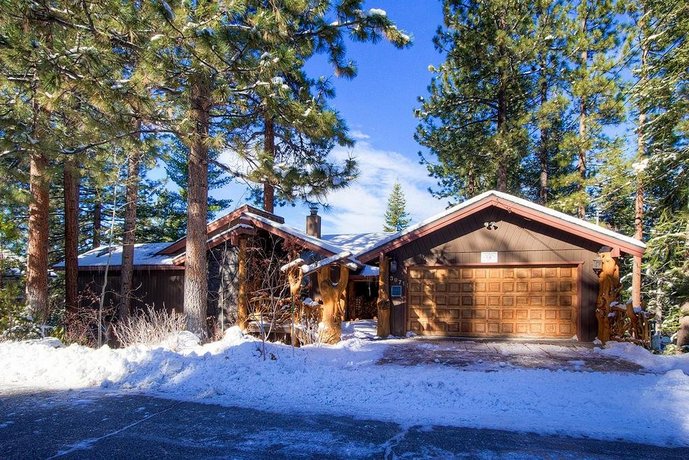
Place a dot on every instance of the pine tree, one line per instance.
(205, 58)
(547, 163)
(396, 216)
(473, 122)
(660, 96)
(596, 95)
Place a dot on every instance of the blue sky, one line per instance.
(378, 106)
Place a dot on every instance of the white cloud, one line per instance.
(358, 135)
(361, 206)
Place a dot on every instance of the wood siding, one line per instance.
(150, 287)
(517, 241)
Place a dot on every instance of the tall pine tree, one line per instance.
(396, 216)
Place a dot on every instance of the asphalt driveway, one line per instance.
(94, 424)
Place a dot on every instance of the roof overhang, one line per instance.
(512, 204)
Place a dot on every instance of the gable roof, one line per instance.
(216, 226)
(510, 203)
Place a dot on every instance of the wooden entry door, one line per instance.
(539, 301)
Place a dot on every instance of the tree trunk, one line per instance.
(581, 166)
(640, 155)
(196, 273)
(37, 251)
(97, 218)
(129, 236)
(471, 182)
(544, 141)
(71, 198)
(268, 188)
(504, 158)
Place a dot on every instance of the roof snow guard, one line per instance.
(510, 203)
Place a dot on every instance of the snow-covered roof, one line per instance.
(509, 199)
(356, 242)
(144, 254)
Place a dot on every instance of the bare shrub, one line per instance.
(149, 326)
(82, 326)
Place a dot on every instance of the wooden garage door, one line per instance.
(524, 301)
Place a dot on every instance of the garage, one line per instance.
(497, 266)
(537, 301)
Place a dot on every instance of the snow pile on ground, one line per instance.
(646, 359)
(347, 379)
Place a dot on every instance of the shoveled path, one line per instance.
(92, 424)
(491, 355)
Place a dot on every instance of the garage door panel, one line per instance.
(529, 301)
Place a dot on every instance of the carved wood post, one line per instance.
(608, 290)
(294, 276)
(242, 307)
(383, 305)
(330, 328)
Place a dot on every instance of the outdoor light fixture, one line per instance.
(393, 266)
(490, 225)
(597, 264)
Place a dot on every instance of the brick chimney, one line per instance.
(313, 222)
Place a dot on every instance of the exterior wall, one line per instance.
(152, 287)
(516, 240)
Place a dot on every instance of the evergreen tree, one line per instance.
(596, 96)
(547, 162)
(396, 216)
(660, 96)
(473, 121)
(206, 57)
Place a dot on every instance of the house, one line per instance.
(493, 266)
(158, 276)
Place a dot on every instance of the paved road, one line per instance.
(98, 425)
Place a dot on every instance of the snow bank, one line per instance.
(346, 379)
(646, 359)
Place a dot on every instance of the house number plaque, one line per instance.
(489, 257)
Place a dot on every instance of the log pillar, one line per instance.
(383, 304)
(636, 282)
(294, 277)
(330, 327)
(608, 291)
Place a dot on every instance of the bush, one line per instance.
(149, 327)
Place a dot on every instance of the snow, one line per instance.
(144, 254)
(306, 269)
(348, 379)
(356, 242)
(377, 12)
(508, 199)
